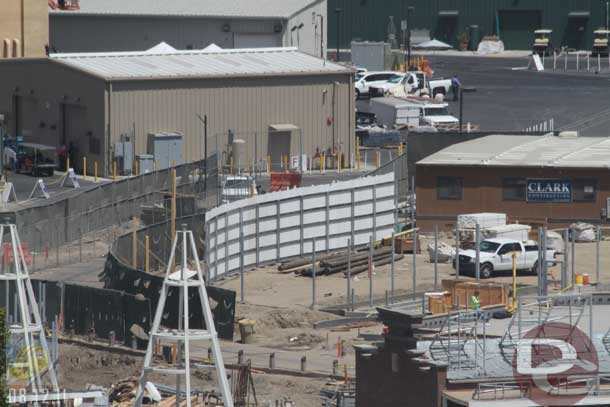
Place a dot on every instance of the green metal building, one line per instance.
(572, 21)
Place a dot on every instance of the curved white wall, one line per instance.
(280, 225)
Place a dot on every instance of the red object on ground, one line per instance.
(7, 253)
(281, 181)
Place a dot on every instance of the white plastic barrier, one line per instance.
(280, 225)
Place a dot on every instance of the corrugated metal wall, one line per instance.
(368, 19)
(321, 106)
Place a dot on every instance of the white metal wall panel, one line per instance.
(236, 236)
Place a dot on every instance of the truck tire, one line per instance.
(534, 269)
(486, 270)
(438, 91)
(357, 94)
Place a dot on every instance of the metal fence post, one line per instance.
(371, 267)
(597, 238)
(392, 269)
(564, 266)
(313, 273)
(241, 256)
(477, 261)
(349, 269)
(414, 261)
(457, 249)
(435, 257)
(573, 256)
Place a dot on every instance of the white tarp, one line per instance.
(583, 232)
(161, 48)
(445, 252)
(490, 47)
(484, 220)
(433, 45)
(554, 241)
(513, 231)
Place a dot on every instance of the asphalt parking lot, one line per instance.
(511, 100)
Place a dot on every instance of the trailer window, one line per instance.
(513, 189)
(449, 187)
(583, 189)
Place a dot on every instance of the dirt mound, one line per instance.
(269, 320)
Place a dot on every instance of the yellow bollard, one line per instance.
(114, 170)
(339, 162)
(378, 159)
(84, 168)
(147, 262)
(358, 161)
(68, 164)
(269, 165)
(155, 165)
(95, 170)
(134, 243)
(137, 165)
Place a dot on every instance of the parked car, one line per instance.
(496, 255)
(237, 187)
(368, 79)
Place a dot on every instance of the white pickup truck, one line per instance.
(413, 83)
(496, 255)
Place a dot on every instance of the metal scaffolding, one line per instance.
(182, 279)
(27, 322)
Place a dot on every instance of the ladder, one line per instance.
(183, 279)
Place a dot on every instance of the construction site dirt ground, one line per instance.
(268, 287)
(81, 366)
(280, 305)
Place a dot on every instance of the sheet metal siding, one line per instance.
(268, 235)
(368, 20)
(116, 33)
(244, 106)
(45, 86)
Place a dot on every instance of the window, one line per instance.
(509, 248)
(583, 189)
(488, 247)
(513, 189)
(449, 187)
(531, 248)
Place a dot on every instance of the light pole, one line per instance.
(321, 34)
(410, 9)
(462, 91)
(338, 12)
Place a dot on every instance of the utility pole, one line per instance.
(410, 9)
(338, 12)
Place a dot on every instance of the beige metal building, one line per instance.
(88, 101)
(24, 28)
(134, 25)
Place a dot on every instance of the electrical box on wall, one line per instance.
(166, 148)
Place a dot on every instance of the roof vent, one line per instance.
(568, 134)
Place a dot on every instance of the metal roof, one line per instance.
(199, 64)
(191, 8)
(526, 151)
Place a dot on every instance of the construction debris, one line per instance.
(123, 391)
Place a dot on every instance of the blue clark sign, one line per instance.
(549, 190)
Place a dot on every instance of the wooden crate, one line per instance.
(489, 294)
(439, 303)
